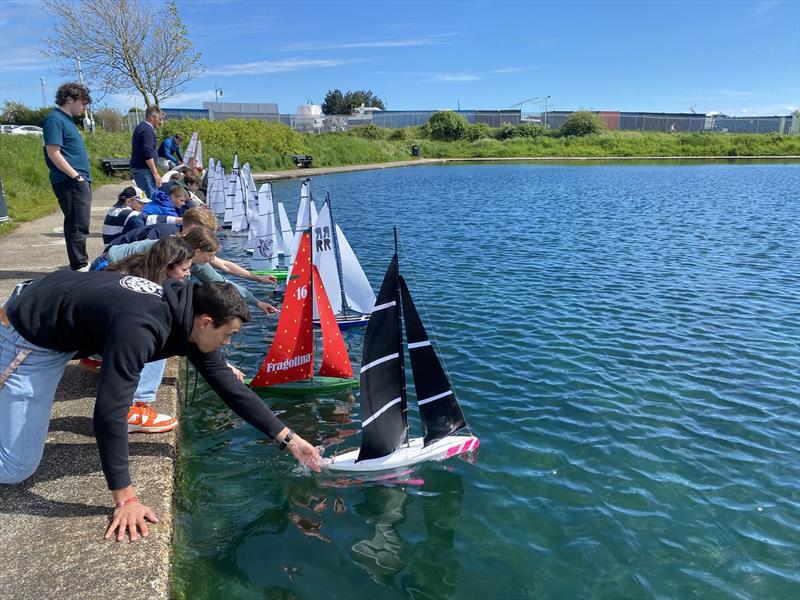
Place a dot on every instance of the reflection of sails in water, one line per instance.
(430, 565)
(384, 554)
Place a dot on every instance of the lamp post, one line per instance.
(546, 102)
(217, 93)
(88, 120)
(44, 99)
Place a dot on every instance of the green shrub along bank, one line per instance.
(269, 146)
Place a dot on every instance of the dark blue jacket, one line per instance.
(151, 232)
(171, 150)
(143, 145)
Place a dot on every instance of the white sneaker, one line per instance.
(83, 269)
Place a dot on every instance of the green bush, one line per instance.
(476, 131)
(398, 134)
(582, 123)
(16, 113)
(529, 130)
(504, 132)
(446, 126)
(368, 132)
(264, 144)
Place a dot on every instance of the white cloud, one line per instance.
(279, 66)
(183, 100)
(393, 43)
(762, 111)
(186, 98)
(505, 70)
(457, 77)
(22, 59)
(765, 7)
(733, 93)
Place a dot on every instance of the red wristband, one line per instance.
(130, 500)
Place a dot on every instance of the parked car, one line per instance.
(27, 130)
(7, 128)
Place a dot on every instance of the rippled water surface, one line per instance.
(625, 342)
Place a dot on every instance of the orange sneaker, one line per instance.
(143, 419)
(90, 364)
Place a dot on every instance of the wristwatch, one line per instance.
(78, 177)
(286, 439)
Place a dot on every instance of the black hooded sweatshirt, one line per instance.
(130, 321)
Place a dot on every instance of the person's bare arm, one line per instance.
(231, 268)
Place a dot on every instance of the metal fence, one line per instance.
(396, 119)
(685, 122)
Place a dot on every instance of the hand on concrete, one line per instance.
(305, 453)
(131, 517)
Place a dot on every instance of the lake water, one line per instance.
(625, 341)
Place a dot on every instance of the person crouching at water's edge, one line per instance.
(130, 321)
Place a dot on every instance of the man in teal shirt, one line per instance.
(65, 156)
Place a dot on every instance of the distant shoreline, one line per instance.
(313, 171)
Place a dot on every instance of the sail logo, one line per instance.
(265, 247)
(289, 363)
(323, 235)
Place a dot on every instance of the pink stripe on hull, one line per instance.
(468, 446)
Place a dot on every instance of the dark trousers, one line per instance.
(75, 200)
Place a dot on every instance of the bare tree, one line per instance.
(123, 45)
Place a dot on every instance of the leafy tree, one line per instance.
(581, 123)
(446, 125)
(334, 103)
(136, 46)
(337, 103)
(365, 97)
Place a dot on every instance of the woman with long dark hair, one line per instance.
(169, 257)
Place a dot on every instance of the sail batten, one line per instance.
(415, 345)
(384, 306)
(379, 361)
(422, 401)
(386, 407)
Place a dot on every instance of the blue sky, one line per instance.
(738, 58)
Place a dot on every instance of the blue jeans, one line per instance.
(145, 180)
(149, 381)
(26, 398)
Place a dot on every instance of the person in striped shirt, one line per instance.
(126, 215)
